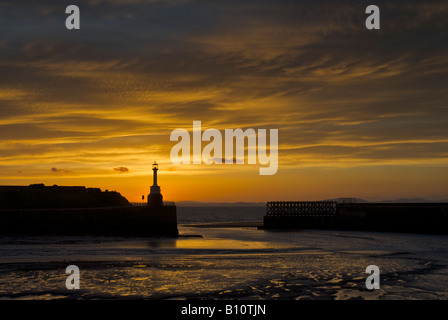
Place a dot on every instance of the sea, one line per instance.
(221, 253)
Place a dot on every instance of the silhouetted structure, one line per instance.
(39, 196)
(301, 208)
(401, 217)
(38, 209)
(155, 198)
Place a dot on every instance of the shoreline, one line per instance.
(231, 224)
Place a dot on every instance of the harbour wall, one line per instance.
(392, 217)
(114, 221)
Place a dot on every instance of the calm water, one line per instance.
(238, 262)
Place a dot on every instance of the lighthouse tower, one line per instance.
(155, 198)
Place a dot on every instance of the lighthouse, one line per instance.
(155, 198)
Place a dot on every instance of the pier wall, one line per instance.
(119, 221)
(395, 217)
(401, 217)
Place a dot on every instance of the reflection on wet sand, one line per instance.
(228, 263)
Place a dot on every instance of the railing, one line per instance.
(139, 204)
(301, 208)
(348, 200)
(144, 204)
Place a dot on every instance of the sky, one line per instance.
(360, 113)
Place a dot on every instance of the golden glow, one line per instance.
(358, 115)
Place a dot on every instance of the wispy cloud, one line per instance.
(109, 94)
(121, 169)
(57, 170)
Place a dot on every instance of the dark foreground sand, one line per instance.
(227, 263)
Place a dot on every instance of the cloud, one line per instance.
(121, 169)
(112, 92)
(57, 170)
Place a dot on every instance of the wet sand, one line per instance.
(228, 263)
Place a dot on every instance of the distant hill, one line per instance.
(408, 200)
(400, 200)
(263, 204)
(348, 200)
(219, 204)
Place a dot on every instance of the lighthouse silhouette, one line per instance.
(155, 198)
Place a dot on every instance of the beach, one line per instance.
(222, 254)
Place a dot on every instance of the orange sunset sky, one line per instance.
(360, 113)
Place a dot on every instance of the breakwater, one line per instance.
(119, 221)
(62, 210)
(394, 217)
